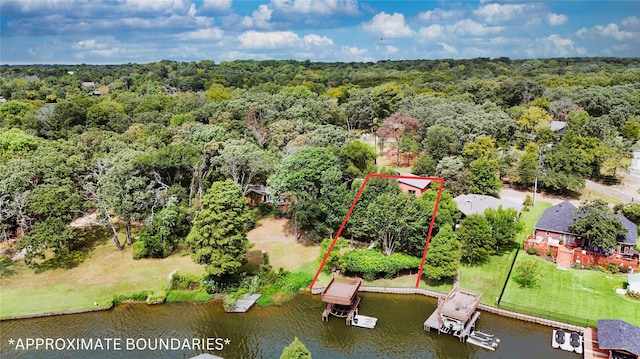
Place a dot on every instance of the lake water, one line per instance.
(264, 332)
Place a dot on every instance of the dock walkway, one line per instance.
(244, 304)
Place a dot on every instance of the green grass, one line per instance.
(183, 295)
(581, 296)
(529, 218)
(488, 277)
(93, 284)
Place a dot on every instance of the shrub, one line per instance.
(334, 261)
(533, 251)
(138, 297)
(613, 268)
(179, 281)
(139, 249)
(371, 263)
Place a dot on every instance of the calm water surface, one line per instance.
(264, 332)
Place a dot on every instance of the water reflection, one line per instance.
(264, 332)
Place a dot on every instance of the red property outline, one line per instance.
(355, 200)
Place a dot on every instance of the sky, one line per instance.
(143, 31)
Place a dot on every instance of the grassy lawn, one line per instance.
(105, 274)
(579, 295)
(488, 278)
(529, 218)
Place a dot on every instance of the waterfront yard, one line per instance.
(488, 278)
(572, 295)
(105, 274)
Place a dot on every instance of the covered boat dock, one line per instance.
(341, 296)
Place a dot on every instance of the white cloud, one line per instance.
(507, 13)
(460, 29)
(448, 49)
(430, 33)
(212, 33)
(317, 40)
(629, 31)
(260, 18)
(439, 15)
(556, 19)
(268, 40)
(392, 26)
(469, 27)
(389, 50)
(216, 5)
(354, 53)
(555, 45)
(316, 7)
(155, 6)
(282, 39)
(631, 23)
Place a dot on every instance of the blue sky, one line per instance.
(121, 31)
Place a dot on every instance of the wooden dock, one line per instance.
(244, 304)
(591, 349)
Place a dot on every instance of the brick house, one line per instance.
(553, 236)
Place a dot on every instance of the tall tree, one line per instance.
(443, 258)
(597, 225)
(397, 126)
(126, 188)
(243, 161)
(475, 238)
(483, 176)
(504, 224)
(218, 237)
(299, 178)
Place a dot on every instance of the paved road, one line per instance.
(626, 192)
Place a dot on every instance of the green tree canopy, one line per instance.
(475, 238)
(597, 225)
(443, 257)
(218, 237)
(296, 350)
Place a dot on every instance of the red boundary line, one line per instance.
(353, 205)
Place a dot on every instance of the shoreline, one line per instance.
(317, 290)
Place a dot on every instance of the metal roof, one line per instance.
(417, 183)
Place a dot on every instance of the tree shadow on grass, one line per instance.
(88, 239)
(6, 264)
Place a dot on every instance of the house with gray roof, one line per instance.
(415, 186)
(555, 226)
(620, 338)
(477, 203)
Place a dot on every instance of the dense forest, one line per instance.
(171, 148)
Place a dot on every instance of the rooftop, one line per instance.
(556, 126)
(477, 203)
(558, 218)
(417, 183)
(631, 236)
(460, 304)
(614, 334)
(341, 291)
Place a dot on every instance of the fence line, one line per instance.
(565, 321)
